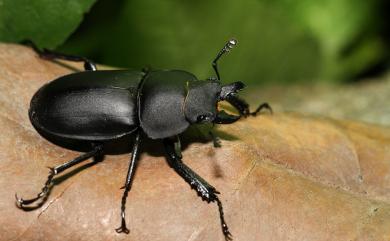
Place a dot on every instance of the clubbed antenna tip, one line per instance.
(231, 44)
(228, 46)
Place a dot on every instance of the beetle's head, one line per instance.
(202, 100)
(201, 104)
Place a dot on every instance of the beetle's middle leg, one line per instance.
(51, 55)
(243, 107)
(129, 179)
(96, 152)
(204, 189)
(216, 139)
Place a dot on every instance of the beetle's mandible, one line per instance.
(97, 109)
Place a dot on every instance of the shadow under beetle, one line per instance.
(95, 108)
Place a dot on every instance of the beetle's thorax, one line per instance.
(161, 103)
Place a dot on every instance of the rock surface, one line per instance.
(281, 177)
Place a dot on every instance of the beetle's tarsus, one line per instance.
(207, 192)
(225, 228)
(21, 203)
(129, 179)
(243, 107)
(123, 228)
(262, 107)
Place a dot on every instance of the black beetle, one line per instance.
(94, 109)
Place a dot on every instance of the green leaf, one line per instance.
(278, 41)
(46, 22)
(346, 30)
(188, 34)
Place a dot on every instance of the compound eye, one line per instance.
(204, 118)
(201, 119)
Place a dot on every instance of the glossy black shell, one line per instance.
(162, 102)
(88, 107)
(93, 106)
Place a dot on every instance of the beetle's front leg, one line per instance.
(204, 190)
(129, 179)
(243, 107)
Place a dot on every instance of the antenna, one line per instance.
(228, 46)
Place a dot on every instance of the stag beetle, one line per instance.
(92, 109)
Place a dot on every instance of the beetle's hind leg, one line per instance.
(243, 107)
(204, 190)
(21, 203)
(51, 55)
(129, 179)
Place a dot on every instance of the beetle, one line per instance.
(95, 109)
